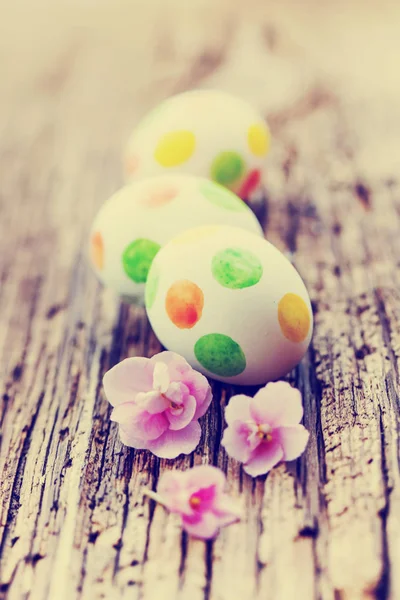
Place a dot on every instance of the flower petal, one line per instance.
(293, 440)
(125, 413)
(235, 441)
(227, 510)
(204, 528)
(177, 392)
(202, 405)
(213, 508)
(238, 409)
(206, 497)
(229, 518)
(128, 439)
(152, 426)
(175, 362)
(179, 420)
(177, 487)
(180, 370)
(264, 458)
(203, 476)
(152, 402)
(173, 443)
(277, 404)
(198, 387)
(124, 381)
(138, 423)
(161, 377)
(170, 482)
(172, 489)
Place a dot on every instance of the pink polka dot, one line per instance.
(159, 196)
(250, 184)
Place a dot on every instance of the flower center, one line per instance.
(173, 405)
(264, 432)
(194, 501)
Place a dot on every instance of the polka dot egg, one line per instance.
(202, 132)
(134, 223)
(230, 303)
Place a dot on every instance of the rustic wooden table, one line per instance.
(75, 77)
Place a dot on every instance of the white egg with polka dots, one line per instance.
(134, 223)
(207, 133)
(230, 303)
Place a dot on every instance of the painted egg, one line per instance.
(206, 133)
(134, 223)
(230, 303)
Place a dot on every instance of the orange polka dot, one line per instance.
(159, 196)
(294, 317)
(131, 164)
(184, 303)
(97, 250)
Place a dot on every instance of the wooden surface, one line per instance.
(75, 77)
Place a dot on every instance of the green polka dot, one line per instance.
(153, 280)
(137, 258)
(222, 197)
(227, 168)
(236, 268)
(220, 355)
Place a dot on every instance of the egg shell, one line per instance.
(231, 304)
(207, 133)
(135, 222)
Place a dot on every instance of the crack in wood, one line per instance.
(19, 473)
(382, 590)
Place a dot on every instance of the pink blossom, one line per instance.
(198, 496)
(264, 430)
(157, 403)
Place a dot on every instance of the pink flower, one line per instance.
(157, 403)
(198, 496)
(265, 429)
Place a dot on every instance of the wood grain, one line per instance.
(75, 78)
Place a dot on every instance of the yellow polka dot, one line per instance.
(294, 317)
(175, 148)
(194, 235)
(258, 138)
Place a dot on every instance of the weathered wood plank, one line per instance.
(73, 522)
